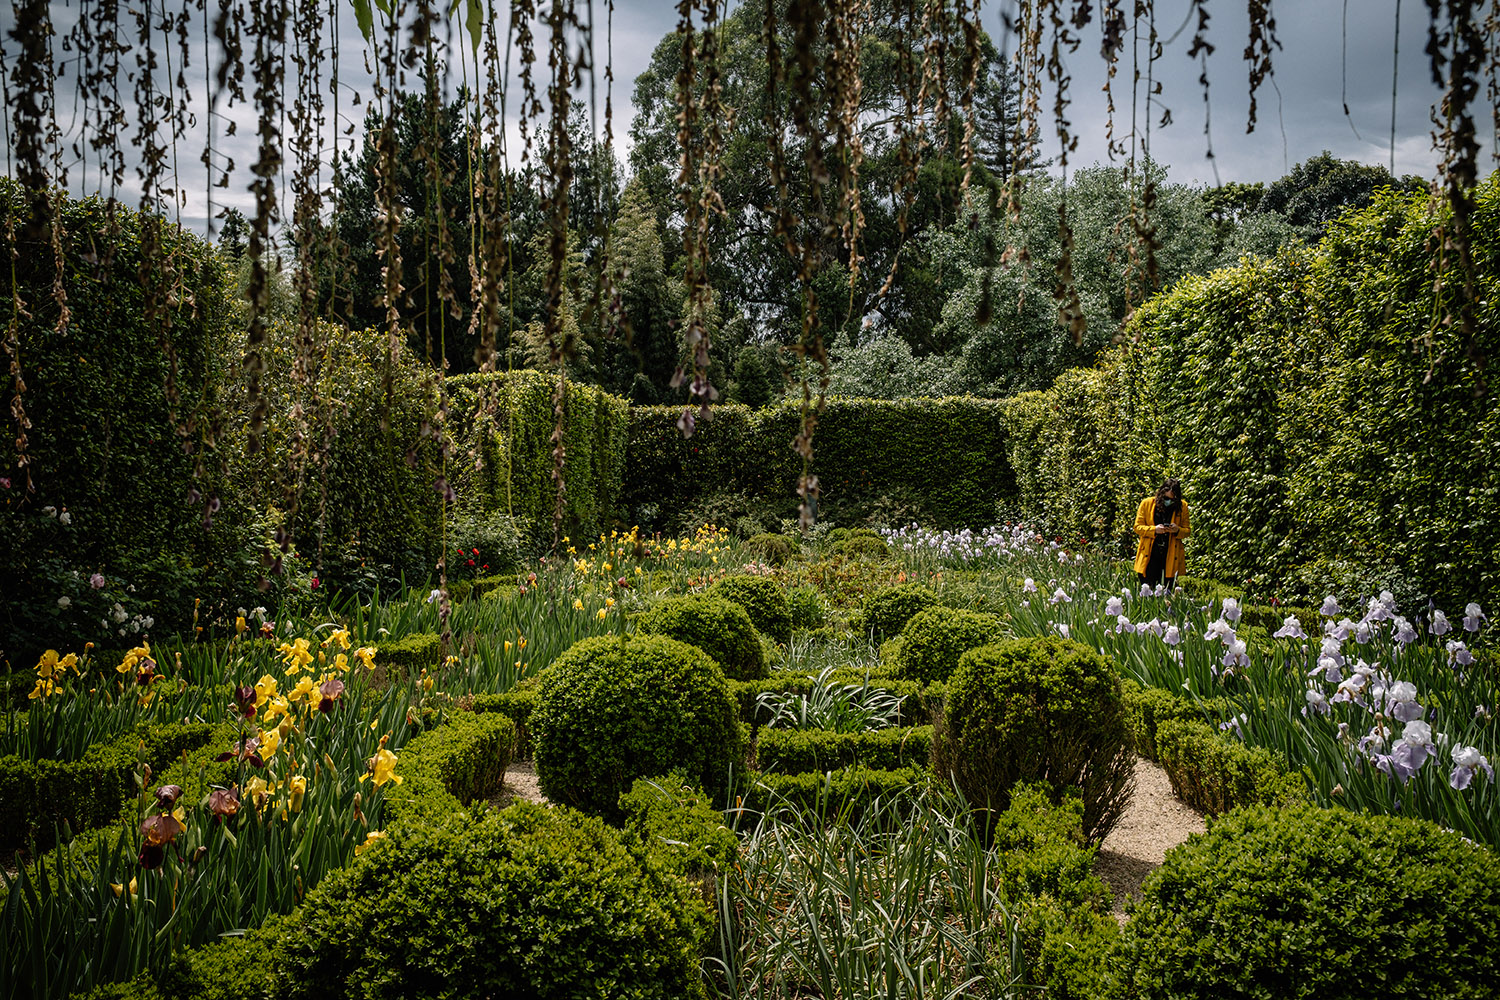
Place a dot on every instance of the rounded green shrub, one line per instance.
(863, 546)
(531, 901)
(1322, 903)
(771, 548)
(934, 639)
(1037, 709)
(763, 600)
(887, 611)
(611, 710)
(720, 627)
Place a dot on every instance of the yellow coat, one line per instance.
(1145, 533)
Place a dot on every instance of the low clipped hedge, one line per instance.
(1209, 770)
(454, 764)
(517, 704)
(720, 627)
(532, 901)
(409, 655)
(1323, 903)
(37, 796)
(844, 794)
(1215, 774)
(934, 639)
(612, 709)
(763, 600)
(794, 751)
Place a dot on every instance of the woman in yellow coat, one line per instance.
(1161, 523)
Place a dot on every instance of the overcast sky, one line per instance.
(1301, 111)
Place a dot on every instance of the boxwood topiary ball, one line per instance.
(719, 627)
(1040, 709)
(771, 548)
(887, 611)
(529, 902)
(611, 710)
(1323, 903)
(763, 600)
(934, 639)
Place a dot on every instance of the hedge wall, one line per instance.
(508, 418)
(941, 462)
(101, 446)
(1292, 397)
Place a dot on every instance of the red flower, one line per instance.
(330, 689)
(476, 552)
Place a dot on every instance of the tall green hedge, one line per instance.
(101, 444)
(1330, 429)
(938, 461)
(508, 419)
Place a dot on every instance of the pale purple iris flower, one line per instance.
(1290, 629)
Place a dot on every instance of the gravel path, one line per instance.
(1154, 822)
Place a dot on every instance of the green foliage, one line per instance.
(677, 822)
(863, 462)
(1319, 190)
(409, 655)
(614, 709)
(807, 608)
(852, 707)
(1318, 903)
(1214, 773)
(1071, 952)
(770, 548)
(862, 546)
(846, 793)
(517, 704)
(106, 446)
(763, 600)
(528, 902)
(37, 796)
(1043, 849)
(717, 625)
(886, 612)
(452, 765)
(1283, 392)
(1037, 710)
(508, 419)
(933, 640)
(793, 751)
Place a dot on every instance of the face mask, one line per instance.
(1168, 503)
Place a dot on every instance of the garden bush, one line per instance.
(770, 548)
(763, 600)
(719, 627)
(842, 795)
(613, 709)
(934, 639)
(793, 751)
(677, 822)
(864, 546)
(532, 901)
(465, 758)
(886, 612)
(1308, 902)
(1037, 710)
(36, 797)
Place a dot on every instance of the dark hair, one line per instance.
(1172, 486)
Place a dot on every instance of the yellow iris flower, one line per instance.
(297, 785)
(366, 655)
(372, 838)
(382, 768)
